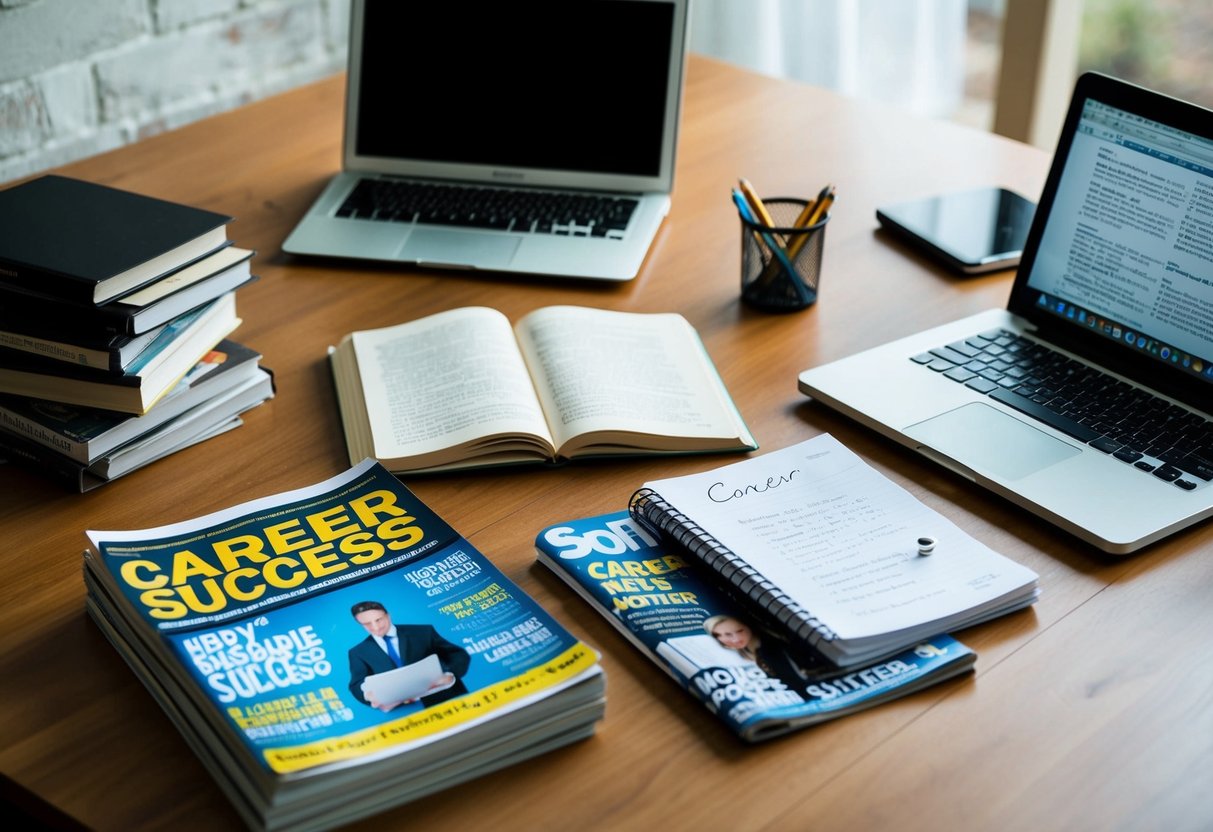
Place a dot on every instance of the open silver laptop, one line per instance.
(534, 137)
(1088, 399)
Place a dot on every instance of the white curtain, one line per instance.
(907, 52)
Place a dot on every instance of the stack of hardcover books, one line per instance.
(115, 310)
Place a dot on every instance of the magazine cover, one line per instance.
(751, 679)
(332, 626)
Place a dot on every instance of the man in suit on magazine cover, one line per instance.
(389, 646)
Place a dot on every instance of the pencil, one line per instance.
(816, 211)
(756, 205)
(802, 219)
(779, 256)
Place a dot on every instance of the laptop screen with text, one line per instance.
(1127, 252)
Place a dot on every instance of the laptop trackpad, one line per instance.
(481, 251)
(991, 442)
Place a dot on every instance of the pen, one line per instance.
(817, 211)
(756, 206)
(747, 214)
(771, 270)
(743, 208)
(812, 213)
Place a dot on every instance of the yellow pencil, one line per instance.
(802, 219)
(820, 207)
(756, 205)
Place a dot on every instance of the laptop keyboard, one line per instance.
(526, 211)
(1153, 435)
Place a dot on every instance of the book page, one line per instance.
(445, 380)
(206, 267)
(841, 539)
(641, 374)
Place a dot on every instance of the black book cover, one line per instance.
(39, 316)
(15, 361)
(42, 460)
(76, 240)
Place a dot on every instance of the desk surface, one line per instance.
(1091, 711)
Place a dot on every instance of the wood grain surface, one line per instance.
(1094, 710)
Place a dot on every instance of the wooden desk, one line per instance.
(1093, 711)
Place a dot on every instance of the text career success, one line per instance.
(277, 557)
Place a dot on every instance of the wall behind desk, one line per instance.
(78, 77)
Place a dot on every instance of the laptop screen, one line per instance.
(571, 86)
(1126, 252)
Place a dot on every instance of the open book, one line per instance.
(464, 389)
(826, 550)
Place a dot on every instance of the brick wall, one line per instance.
(78, 77)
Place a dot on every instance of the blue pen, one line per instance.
(743, 208)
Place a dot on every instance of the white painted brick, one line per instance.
(42, 35)
(184, 112)
(191, 65)
(173, 14)
(85, 76)
(24, 123)
(55, 106)
(57, 152)
(338, 15)
(70, 96)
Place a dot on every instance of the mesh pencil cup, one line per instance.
(781, 264)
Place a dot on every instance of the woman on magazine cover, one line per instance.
(736, 635)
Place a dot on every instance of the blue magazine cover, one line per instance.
(291, 623)
(756, 683)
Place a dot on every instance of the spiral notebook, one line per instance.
(823, 548)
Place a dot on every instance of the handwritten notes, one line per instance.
(842, 540)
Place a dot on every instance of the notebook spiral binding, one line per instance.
(662, 520)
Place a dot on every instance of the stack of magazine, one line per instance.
(337, 650)
(789, 588)
(115, 309)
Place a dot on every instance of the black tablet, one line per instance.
(970, 231)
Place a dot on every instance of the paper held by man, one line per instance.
(412, 681)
